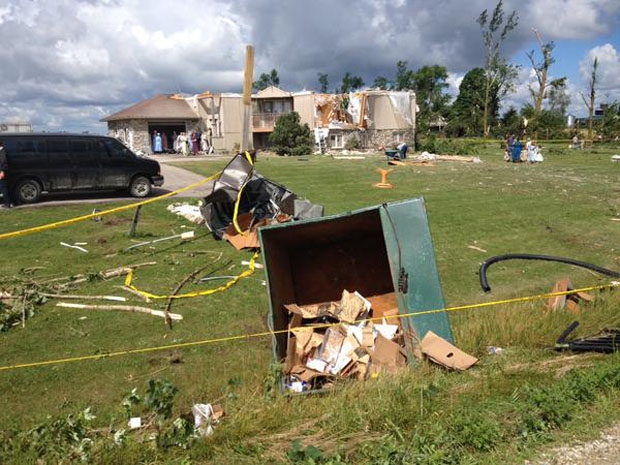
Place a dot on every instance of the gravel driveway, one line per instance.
(605, 450)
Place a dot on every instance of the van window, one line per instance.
(116, 150)
(29, 151)
(84, 151)
(58, 150)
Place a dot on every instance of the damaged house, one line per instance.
(370, 119)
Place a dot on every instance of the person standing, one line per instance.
(402, 150)
(4, 170)
(184, 144)
(193, 143)
(158, 146)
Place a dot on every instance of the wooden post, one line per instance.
(246, 141)
(134, 223)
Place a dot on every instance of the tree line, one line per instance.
(476, 109)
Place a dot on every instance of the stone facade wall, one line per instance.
(385, 138)
(134, 133)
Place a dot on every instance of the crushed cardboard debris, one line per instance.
(443, 353)
(335, 339)
(566, 302)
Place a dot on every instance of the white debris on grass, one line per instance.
(190, 212)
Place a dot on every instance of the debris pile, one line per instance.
(342, 340)
(242, 201)
(568, 302)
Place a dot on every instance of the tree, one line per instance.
(541, 70)
(290, 137)
(323, 82)
(265, 80)
(557, 97)
(590, 103)
(350, 83)
(511, 121)
(382, 83)
(429, 83)
(610, 124)
(468, 109)
(404, 77)
(499, 74)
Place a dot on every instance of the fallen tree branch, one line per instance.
(136, 293)
(85, 297)
(126, 308)
(184, 281)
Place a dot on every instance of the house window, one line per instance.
(336, 141)
(399, 137)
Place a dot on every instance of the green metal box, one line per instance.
(377, 250)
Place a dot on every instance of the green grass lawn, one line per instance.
(565, 206)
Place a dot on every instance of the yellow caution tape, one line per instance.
(238, 200)
(283, 331)
(223, 287)
(58, 224)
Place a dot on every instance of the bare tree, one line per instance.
(541, 69)
(590, 103)
(499, 73)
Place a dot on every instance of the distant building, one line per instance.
(376, 119)
(15, 126)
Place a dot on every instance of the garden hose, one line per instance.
(549, 258)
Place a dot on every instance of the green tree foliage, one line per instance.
(468, 109)
(558, 97)
(429, 83)
(404, 77)
(499, 74)
(350, 83)
(290, 137)
(511, 121)
(548, 124)
(610, 124)
(323, 82)
(265, 80)
(381, 82)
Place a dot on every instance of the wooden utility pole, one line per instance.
(246, 141)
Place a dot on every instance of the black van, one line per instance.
(45, 162)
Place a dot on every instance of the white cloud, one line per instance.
(571, 19)
(608, 71)
(67, 63)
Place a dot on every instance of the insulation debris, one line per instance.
(187, 211)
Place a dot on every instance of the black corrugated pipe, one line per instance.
(548, 258)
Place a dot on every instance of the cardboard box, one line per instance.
(384, 252)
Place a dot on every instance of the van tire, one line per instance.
(28, 191)
(140, 187)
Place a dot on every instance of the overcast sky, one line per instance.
(65, 64)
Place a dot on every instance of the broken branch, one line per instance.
(126, 308)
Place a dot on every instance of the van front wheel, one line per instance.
(140, 187)
(28, 191)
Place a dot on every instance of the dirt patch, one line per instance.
(116, 221)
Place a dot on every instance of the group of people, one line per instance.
(183, 143)
(515, 152)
